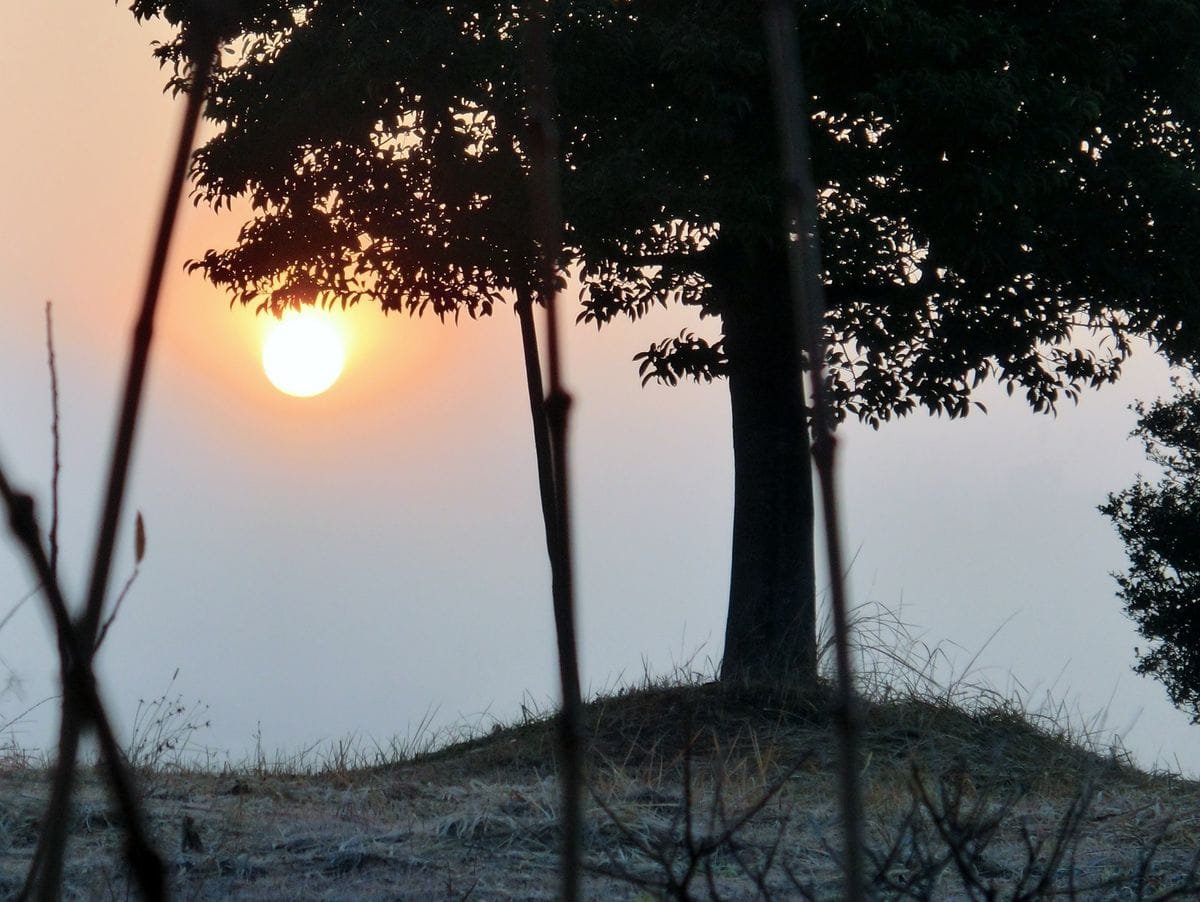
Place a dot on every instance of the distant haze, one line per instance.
(347, 563)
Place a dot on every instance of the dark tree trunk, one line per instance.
(770, 634)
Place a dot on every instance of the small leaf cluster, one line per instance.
(684, 356)
(1159, 524)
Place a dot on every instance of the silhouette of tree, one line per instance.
(1159, 525)
(996, 179)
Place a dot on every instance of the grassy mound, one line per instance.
(696, 791)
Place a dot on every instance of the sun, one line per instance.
(303, 354)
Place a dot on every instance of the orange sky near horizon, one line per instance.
(108, 239)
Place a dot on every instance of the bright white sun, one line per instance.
(303, 355)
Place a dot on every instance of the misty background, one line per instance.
(351, 563)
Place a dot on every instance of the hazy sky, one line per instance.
(346, 564)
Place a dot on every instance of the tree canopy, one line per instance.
(994, 175)
(1159, 524)
(375, 143)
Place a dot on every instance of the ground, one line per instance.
(696, 792)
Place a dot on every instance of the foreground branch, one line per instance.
(547, 221)
(81, 706)
(804, 265)
(81, 701)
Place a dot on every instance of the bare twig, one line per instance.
(700, 848)
(547, 219)
(56, 441)
(81, 702)
(12, 612)
(139, 552)
(79, 692)
(56, 465)
(116, 608)
(29, 710)
(804, 264)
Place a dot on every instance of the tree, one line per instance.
(1159, 524)
(997, 179)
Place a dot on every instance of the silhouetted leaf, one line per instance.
(139, 538)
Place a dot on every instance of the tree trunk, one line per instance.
(770, 634)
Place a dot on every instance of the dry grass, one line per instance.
(697, 791)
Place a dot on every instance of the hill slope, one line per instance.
(697, 792)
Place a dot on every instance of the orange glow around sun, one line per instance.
(304, 353)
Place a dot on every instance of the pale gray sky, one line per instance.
(344, 564)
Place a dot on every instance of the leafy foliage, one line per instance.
(995, 177)
(1159, 524)
(377, 145)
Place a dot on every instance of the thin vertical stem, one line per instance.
(55, 469)
(804, 264)
(547, 219)
(56, 441)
